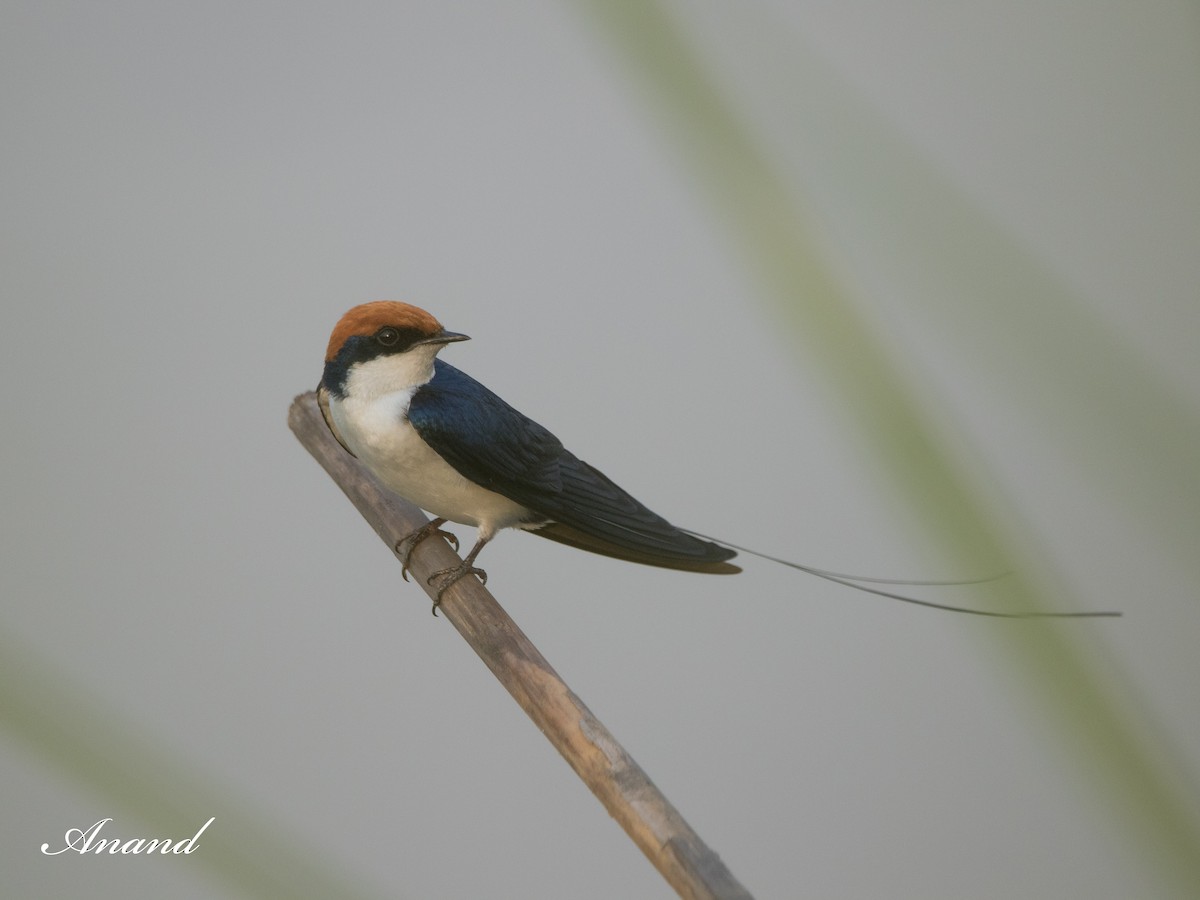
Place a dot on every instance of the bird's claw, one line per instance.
(447, 577)
(405, 546)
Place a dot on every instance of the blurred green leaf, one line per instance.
(928, 232)
(71, 730)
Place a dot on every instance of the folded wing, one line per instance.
(499, 448)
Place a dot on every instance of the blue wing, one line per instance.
(499, 448)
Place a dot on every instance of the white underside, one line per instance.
(377, 431)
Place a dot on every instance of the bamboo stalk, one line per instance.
(628, 794)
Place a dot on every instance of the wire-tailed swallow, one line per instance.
(442, 440)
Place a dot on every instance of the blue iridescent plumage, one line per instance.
(495, 446)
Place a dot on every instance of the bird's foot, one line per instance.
(405, 546)
(446, 577)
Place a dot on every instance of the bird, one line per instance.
(442, 440)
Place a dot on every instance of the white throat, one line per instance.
(397, 372)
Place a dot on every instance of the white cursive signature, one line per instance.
(89, 841)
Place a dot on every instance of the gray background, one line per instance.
(192, 195)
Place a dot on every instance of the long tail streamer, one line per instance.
(859, 582)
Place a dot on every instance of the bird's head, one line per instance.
(382, 347)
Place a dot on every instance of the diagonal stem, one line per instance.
(628, 794)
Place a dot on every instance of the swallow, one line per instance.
(440, 439)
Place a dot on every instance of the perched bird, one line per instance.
(442, 440)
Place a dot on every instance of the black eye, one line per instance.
(388, 336)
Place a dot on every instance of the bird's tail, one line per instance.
(862, 583)
(693, 554)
